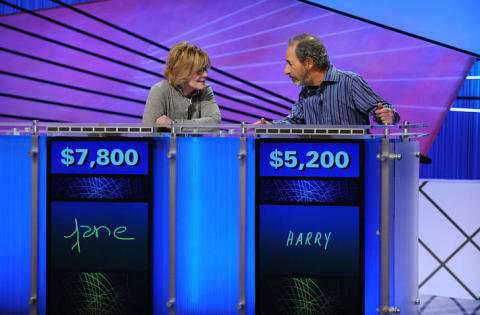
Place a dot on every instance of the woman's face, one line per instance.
(196, 81)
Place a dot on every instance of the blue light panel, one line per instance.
(15, 187)
(207, 226)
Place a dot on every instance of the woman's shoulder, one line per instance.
(162, 86)
(162, 90)
(206, 92)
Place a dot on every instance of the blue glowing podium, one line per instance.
(209, 219)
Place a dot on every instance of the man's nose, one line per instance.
(286, 70)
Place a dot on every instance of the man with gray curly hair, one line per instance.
(329, 96)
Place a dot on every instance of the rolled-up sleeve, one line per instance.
(366, 100)
(297, 116)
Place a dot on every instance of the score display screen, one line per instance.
(309, 240)
(99, 157)
(99, 235)
(98, 225)
(309, 226)
(308, 160)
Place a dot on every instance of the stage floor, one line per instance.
(440, 305)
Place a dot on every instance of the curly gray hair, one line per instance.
(310, 47)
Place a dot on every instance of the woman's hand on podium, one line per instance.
(163, 120)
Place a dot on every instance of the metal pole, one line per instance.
(33, 300)
(385, 242)
(385, 227)
(172, 155)
(242, 224)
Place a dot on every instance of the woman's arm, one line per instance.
(155, 106)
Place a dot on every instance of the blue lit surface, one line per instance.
(35, 5)
(42, 226)
(372, 224)
(207, 226)
(15, 187)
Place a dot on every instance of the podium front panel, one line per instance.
(309, 226)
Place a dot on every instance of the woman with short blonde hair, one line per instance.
(184, 96)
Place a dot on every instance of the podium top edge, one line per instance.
(215, 130)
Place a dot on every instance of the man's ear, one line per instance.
(308, 63)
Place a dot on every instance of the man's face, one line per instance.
(294, 68)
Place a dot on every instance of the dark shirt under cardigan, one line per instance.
(343, 98)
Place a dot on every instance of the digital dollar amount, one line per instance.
(102, 157)
(312, 159)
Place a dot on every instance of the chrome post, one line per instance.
(385, 227)
(406, 127)
(33, 299)
(242, 223)
(172, 155)
(385, 157)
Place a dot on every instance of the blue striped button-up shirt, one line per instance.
(343, 98)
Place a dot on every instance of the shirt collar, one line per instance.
(331, 77)
(330, 74)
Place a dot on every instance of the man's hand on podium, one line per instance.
(262, 121)
(385, 114)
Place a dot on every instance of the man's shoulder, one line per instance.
(347, 75)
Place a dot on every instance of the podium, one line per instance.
(215, 225)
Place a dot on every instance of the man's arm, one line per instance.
(297, 116)
(367, 101)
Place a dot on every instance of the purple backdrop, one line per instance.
(245, 38)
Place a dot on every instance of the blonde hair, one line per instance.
(184, 60)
